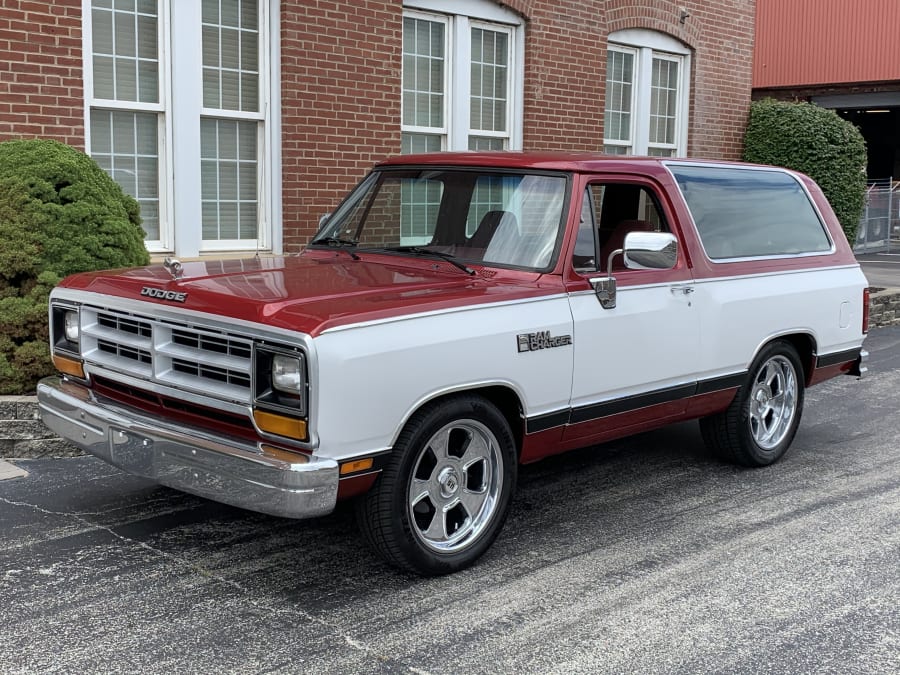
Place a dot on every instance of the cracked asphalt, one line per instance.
(644, 555)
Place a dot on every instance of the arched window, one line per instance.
(462, 76)
(647, 94)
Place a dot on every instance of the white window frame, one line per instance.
(468, 14)
(627, 145)
(165, 240)
(647, 45)
(442, 131)
(179, 111)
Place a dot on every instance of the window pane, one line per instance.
(229, 172)
(584, 257)
(489, 80)
(663, 99)
(126, 145)
(125, 51)
(617, 149)
(231, 55)
(661, 152)
(619, 86)
(414, 143)
(423, 74)
(743, 213)
(104, 76)
(484, 143)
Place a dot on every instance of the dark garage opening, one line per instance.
(880, 126)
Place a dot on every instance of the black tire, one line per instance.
(759, 425)
(430, 530)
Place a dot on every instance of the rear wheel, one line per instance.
(444, 495)
(759, 425)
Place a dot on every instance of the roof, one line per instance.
(548, 161)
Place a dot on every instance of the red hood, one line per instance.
(312, 293)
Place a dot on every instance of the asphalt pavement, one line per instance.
(641, 556)
(881, 269)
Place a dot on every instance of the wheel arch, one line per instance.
(806, 346)
(501, 394)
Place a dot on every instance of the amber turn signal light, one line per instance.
(356, 465)
(68, 366)
(280, 425)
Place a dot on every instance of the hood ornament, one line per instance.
(173, 267)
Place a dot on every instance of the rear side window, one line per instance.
(750, 213)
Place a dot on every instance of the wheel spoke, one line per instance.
(437, 528)
(476, 451)
(473, 502)
(419, 490)
(772, 375)
(439, 444)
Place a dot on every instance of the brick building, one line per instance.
(237, 123)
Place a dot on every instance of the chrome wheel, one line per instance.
(454, 486)
(773, 402)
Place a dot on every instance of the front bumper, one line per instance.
(252, 476)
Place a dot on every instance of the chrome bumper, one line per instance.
(224, 469)
(860, 368)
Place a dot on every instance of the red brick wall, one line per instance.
(41, 89)
(565, 68)
(341, 69)
(340, 73)
(721, 79)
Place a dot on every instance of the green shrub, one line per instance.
(60, 213)
(817, 142)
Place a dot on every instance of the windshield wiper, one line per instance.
(427, 252)
(337, 242)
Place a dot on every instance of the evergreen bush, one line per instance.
(817, 142)
(60, 213)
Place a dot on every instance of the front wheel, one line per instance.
(444, 495)
(759, 425)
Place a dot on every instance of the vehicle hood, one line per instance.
(312, 294)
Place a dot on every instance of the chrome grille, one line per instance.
(187, 357)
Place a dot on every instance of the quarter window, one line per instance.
(750, 213)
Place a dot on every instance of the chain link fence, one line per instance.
(879, 228)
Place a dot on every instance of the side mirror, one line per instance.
(650, 250)
(323, 219)
(643, 251)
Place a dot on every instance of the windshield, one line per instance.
(497, 218)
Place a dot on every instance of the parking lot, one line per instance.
(644, 555)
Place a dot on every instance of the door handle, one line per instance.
(684, 290)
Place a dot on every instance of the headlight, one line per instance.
(72, 329)
(287, 374)
(66, 329)
(281, 379)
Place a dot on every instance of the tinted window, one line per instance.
(747, 213)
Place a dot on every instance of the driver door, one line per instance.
(635, 363)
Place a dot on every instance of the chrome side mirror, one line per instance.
(643, 251)
(650, 250)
